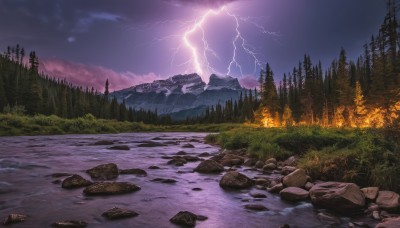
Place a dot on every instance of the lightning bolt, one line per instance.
(198, 25)
(199, 53)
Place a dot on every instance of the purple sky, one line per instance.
(131, 42)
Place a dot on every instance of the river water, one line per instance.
(26, 187)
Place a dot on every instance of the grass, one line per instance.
(16, 125)
(368, 157)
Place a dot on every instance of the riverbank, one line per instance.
(17, 125)
(367, 157)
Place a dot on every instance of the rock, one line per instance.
(373, 207)
(165, 181)
(338, 196)
(269, 166)
(256, 207)
(370, 192)
(259, 164)
(384, 214)
(151, 144)
(75, 181)
(298, 178)
(257, 195)
(110, 188)
(205, 154)
(188, 145)
(70, 224)
(249, 162)
(154, 167)
(389, 223)
(103, 143)
(262, 181)
(14, 218)
(138, 172)
(294, 194)
(388, 200)
(285, 226)
(235, 180)
(288, 169)
(104, 172)
(328, 219)
(202, 217)
(184, 218)
(178, 161)
(56, 181)
(189, 158)
(308, 186)
(375, 215)
(196, 189)
(361, 224)
(276, 188)
(119, 147)
(291, 161)
(231, 160)
(57, 175)
(209, 166)
(118, 213)
(271, 160)
(181, 153)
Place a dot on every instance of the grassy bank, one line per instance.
(368, 157)
(15, 125)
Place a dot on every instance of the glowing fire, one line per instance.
(376, 117)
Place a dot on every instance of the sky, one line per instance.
(136, 41)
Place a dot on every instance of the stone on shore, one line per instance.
(235, 180)
(294, 194)
(256, 207)
(70, 224)
(370, 192)
(337, 196)
(14, 218)
(389, 223)
(388, 200)
(297, 178)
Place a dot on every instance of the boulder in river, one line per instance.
(388, 200)
(178, 161)
(275, 188)
(259, 164)
(103, 143)
(188, 145)
(151, 144)
(328, 219)
(190, 158)
(256, 207)
(235, 180)
(154, 167)
(338, 196)
(291, 161)
(104, 172)
(294, 194)
(209, 166)
(370, 192)
(184, 218)
(257, 195)
(70, 224)
(269, 167)
(389, 223)
(119, 213)
(137, 172)
(164, 181)
(110, 188)
(14, 218)
(75, 181)
(204, 154)
(271, 160)
(298, 178)
(57, 175)
(119, 147)
(250, 162)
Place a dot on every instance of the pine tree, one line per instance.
(360, 110)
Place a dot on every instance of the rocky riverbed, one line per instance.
(169, 180)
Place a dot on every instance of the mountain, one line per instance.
(181, 96)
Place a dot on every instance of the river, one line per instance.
(27, 162)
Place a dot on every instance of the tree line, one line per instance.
(24, 89)
(361, 93)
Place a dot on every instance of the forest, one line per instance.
(23, 90)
